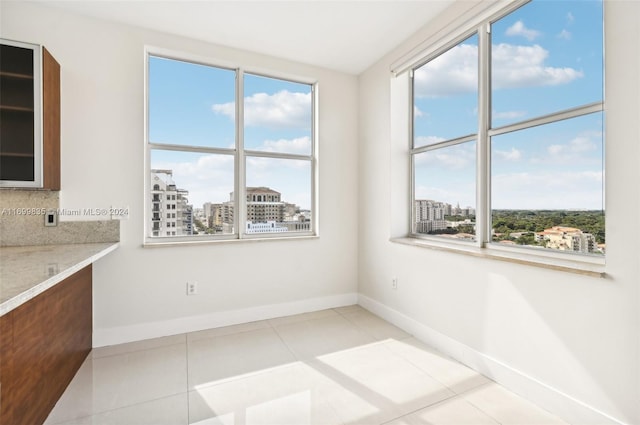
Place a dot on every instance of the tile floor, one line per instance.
(337, 366)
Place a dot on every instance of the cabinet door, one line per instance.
(42, 345)
(6, 368)
(20, 130)
(29, 116)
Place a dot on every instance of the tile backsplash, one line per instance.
(22, 217)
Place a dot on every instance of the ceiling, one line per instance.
(343, 35)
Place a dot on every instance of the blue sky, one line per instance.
(547, 56)
(191, 104)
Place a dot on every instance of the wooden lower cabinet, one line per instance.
(42, 345)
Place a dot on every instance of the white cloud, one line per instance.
(548, 190)
(417, 112)
(523, 66)
(451, 161)
(570, 18)
(514, 66)
(447, 174)
(452, 73)
(301, 145)
(260, 169)
(292, 178)
(582, 144)
(555, 149)
(452, 158)
(428, 140)
(519, 29)
(577, 145)
(204, 167)
(228, 109)
(512, 155)
(208, 178)
(283, 109)
(462, 194)
(508, 115)
(564, 35)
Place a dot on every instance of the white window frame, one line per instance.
(478, 21)
(238, 152)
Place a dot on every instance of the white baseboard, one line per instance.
(563, 405)
(122, 334)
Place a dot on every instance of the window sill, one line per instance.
(594, 267)
(168, 242)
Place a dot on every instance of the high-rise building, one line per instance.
(207, 212)
(568, 239)
(264, 205)
(429, 215)
(185, 211)
(428, 210)
(171, 214)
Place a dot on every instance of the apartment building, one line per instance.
(171, 213)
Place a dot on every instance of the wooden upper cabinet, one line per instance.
(29, 116)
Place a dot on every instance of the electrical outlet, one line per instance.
(394, 282)
(192, 288)
(50, 218)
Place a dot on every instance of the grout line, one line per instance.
(227, 334)
(426, 372)
(295, 356)
(422, 408)
(516, 396)
(136, 350)
(102, 412)
(310, 319)
(482, 411)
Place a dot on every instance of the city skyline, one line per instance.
(172, 214)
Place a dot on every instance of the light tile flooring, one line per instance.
(337, 366)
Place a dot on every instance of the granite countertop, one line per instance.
(26, 271)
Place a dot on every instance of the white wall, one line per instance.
(140, 292)
(560, 338)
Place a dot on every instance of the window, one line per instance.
(507, 146)
(444, 155)
(217, 132)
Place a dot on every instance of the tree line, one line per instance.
(517, 221)
(528, 222)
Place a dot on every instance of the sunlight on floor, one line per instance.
(337, 366)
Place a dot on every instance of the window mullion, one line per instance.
(240, 174)
(314, 163)
(412, 162)
(483, 193)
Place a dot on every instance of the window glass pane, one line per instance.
(445, 95)
(547, 56)
(195, 188)
(277, 115)
(547, 186)
(445, 192)
(278, 195)
(191, 104)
